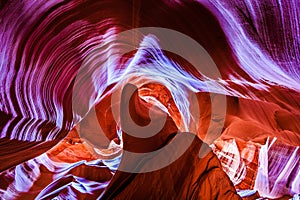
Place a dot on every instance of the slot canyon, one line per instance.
(150, 99)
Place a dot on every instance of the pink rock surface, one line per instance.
(63, 130)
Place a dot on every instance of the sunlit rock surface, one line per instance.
(62, 133)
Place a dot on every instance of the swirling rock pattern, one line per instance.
(51, 80)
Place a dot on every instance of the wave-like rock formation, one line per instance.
(149, 99)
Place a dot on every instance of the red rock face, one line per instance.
(187, 177)
(205, 105)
